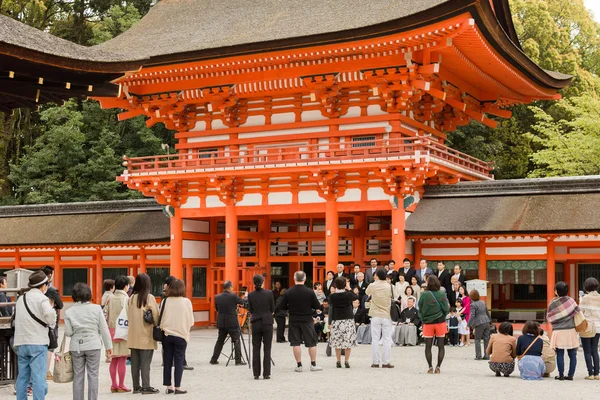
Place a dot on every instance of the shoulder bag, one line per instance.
(157, 333)
(63, 366)
(527, 349)
(585, 328)
(52, 338)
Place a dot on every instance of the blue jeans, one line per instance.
(560, 361)
(590, 352)
(32, 368)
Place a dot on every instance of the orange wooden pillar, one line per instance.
(418, 250)
(263, 249)
(177, 245)
(57, 271)
(482, 266)
(231, 245)
(331, 234)
(97, 289)
(398, 235)
(142, 261)
(359, 239)
(550, 271)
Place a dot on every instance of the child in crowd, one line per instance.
(463, 329)
(502, 350)
(453, 320)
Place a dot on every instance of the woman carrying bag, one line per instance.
(590, 306)
(113, 310)
(176, 318)
(561, 314)
(85, 325)
(142, 306)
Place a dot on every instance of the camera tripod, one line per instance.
(231, 355)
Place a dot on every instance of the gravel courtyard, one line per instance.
(462, 377)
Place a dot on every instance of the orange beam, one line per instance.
(398, 235)
(331, 233)
(176, 261)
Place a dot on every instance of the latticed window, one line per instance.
(157, 277)
(71, 276)
(363, 141)
(199, 282)
(208, 153)
(112, 273)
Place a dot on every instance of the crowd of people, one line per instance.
(128, 303)
(380, 306)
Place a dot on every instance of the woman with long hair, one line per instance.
(414, 284)
(433, 308)
(261, 307)
(140, 340)
(86, 326)
(561, 314)
(113, 308)
(176, 321)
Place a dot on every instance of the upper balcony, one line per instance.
(397, 152)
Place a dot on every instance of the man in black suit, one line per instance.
(261, 307)
(361, 285)
(354, 276)
(340, 272)
(301, 302)
(370, 273)
(444, 277)
(406, 270)
(227, 322)
(423, 270)
(460, 276)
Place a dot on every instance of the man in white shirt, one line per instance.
(31, 336)
(459, 275)
(423, 270)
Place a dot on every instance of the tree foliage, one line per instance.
(560, 36)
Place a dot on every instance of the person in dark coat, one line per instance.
(277, 291)
(227, 322)
(5, 311)
(462, 278)
(444, 277)
(328, 284)
(406, 270)
(261, 307)
(57, 304)
(354, 276)
(280, 316)
(370, 272)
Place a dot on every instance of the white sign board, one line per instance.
(479, 285)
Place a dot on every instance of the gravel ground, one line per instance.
(461, 375)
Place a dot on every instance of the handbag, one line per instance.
(63, 366)
(394, 309)
(157, 333)
(148, 317)
(52, 338)
(121, 330)
(585, 328)
(527, 349)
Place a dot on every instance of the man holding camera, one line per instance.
(227, 322)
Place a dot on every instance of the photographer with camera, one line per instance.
(227, 322)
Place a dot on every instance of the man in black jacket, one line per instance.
(261, 307)
(301, 302)
(227, 322)
(56, 303)
(444, 277)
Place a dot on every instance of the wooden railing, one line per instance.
(305, 155)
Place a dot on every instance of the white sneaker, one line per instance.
(298, 369)
(461, 344)
(316, 368)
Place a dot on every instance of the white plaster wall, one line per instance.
(218, 124)
(192, 202)
(158, 257)
(284, 118)
(77, 258)
(365, 125)
(410, 128)
(313, 115)
(214, 201)
(309, 196)
(515, 240)
(280, 198)
(560, 250)
(467, 251)
(350, 195)
(498, 251)
(282, 132)
(202, 139)
(50, 259)
(592, 250)
(251, 199)
(255, 120)
(376, 194)
(7, 259)
(192, 225)
(200, 316)
(200, 126)
(195, 249)
(375, 110)
(115, 258)
(409, 250)
(352, 112)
